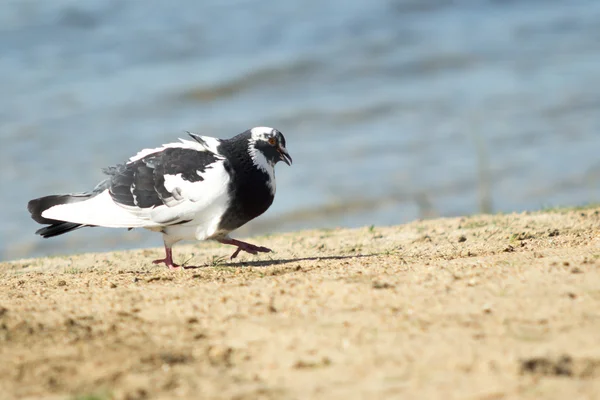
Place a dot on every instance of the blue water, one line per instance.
(392, 110)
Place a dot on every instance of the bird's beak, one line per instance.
(284, 156)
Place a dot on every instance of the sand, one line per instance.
(483, 307)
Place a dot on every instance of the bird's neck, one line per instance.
(247, 160)
(260, 161)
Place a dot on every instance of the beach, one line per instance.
(480, 307)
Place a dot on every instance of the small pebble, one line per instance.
(382, 285)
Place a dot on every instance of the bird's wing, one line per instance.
(171, 185)
(200, 143)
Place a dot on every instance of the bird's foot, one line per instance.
(250, 248)
(243, 246)
(167, 262)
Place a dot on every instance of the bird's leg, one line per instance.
(168, 260)
(247, 247)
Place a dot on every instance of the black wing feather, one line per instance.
(141, 183)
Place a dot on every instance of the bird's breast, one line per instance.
(251, 195)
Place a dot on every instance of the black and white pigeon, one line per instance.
(200, 189)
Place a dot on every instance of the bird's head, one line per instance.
(270, 144)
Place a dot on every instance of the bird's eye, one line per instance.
(272, 141)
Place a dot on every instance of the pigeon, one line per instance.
(200, 189)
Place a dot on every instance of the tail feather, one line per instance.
(100, 209)
(37, 206)
(56, 227)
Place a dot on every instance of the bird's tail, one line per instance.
(55, 227)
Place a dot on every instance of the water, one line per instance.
(392, 110)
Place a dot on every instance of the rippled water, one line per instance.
(392, 110)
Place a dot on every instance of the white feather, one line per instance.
(100, 210)
(261, 132)
(258, 158)
(205, 203)
(210, 143)
(183, 144)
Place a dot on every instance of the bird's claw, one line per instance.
(167, 262)
(250, 248)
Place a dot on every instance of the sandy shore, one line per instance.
(484, 307)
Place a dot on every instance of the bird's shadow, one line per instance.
(270, 263)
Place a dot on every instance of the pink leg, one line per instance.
(247, 247)
(168, 260)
